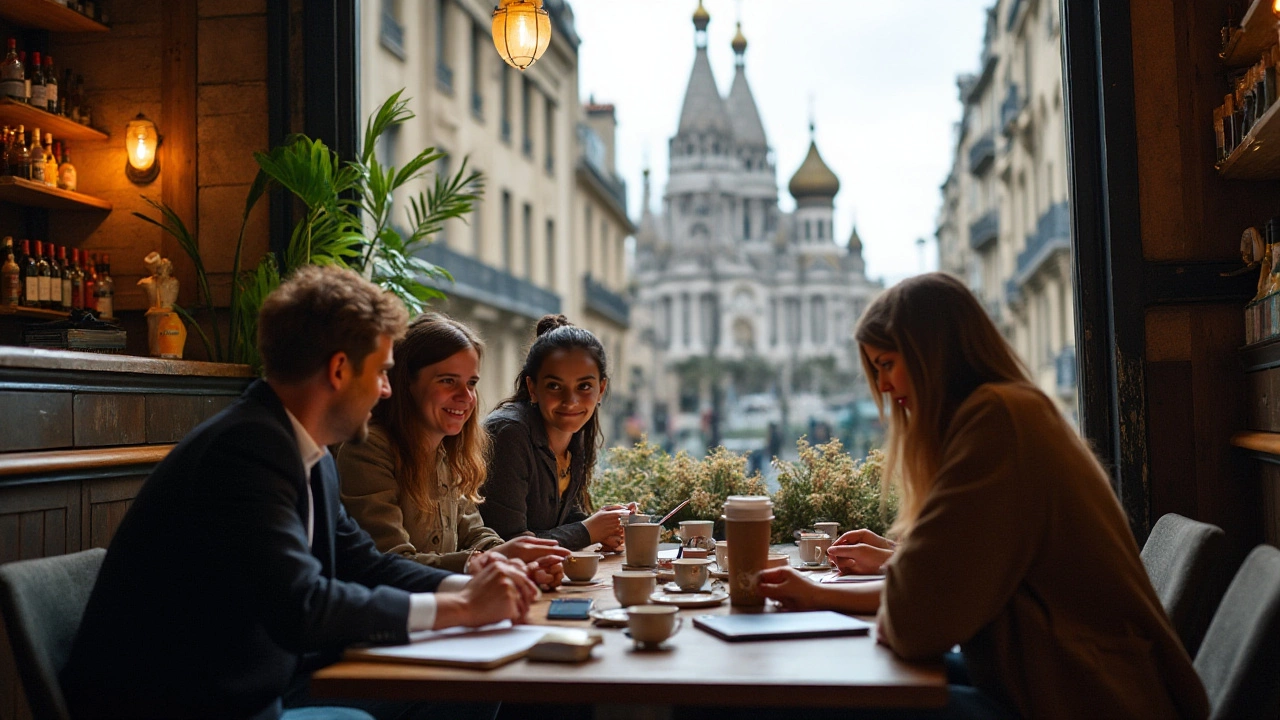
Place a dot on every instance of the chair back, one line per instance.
(1184, 561)
(1239, 660)
(43, 601)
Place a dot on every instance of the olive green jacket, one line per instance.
(443, 539)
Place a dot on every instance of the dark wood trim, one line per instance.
(330, 47)
(1182, 283)
(63, 465)
(1107, 258)
(1260, 356)
(178, 152)
(279, 112)
(1261, 442)
(26, 379)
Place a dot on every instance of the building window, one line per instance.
(664, 332)
(590, 250)
(818, 318)
(551, 253)
(527, 228)
(526, 117)
(549, 133)
(444, 73)
(773, 322)
(392, 35)
(821, 230)
(443, 169)
(508, 254)
(686, 320)
(477, 233)
(709, 318)
(479, 44)
(746, 219)
(604, 252)
(505, 102)
(794, 328)
(808, 230)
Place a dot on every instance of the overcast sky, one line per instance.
(879, 76)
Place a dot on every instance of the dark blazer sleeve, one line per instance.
(250, 495)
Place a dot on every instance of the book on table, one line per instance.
(480, 648)
(781, 625)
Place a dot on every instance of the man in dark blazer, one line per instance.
(236, 570)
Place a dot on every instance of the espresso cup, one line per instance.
(642, 544)
(651, 624)
(633, 587)
(813, 549)
(722, 556)
(690, 529)
(773, 560)
(581, 566)
(832, 529)
(691, 573)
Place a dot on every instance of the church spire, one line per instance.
(703, 107)
(743, 113)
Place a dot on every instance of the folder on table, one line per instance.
(781, 625)
(482, 648)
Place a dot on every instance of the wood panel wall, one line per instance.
(1193, 384)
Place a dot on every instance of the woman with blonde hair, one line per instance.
(1011, 542)
(414, 484)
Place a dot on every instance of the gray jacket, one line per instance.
(521, 493)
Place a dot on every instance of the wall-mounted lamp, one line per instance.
(141, 141)
(521, 31)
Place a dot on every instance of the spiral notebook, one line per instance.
(781, 625)
(480, 648)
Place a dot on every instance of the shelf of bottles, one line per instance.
(31, 193)
(1243, 43)
(43, 281)
(52, 15)
(13, 112)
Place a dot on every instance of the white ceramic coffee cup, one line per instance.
(642, 544)
(832, 529)
(691, 573)
(633, 587)
(581, 566)
(722, 555)
(695, 528)
(813, 549)
(651, 624)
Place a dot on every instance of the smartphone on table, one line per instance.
(570, 609)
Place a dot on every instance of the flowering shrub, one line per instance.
(658, 482)
(826, 483)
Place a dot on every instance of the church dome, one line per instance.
(701, 17)
(739, 40)
(814, 178)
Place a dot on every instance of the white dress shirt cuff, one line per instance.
(422, 606)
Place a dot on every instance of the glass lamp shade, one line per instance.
(141, 140)
(521, 31)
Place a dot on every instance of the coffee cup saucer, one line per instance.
(579, 583)
(609, 617)
(811, 567)
(648, 647)
(697, 599)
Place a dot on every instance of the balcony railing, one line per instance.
(611, 185)
(1052, 235)
(606, 302)
(482, 283)
(1010, 109)
(981, 154)
(1065, 371)
(984, 230)
(392, 36)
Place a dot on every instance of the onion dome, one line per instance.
(814, 179)
(739, 41)
(701, 17)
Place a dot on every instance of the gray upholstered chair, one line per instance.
(1184, 560)
(43, 601)
(1239, 660)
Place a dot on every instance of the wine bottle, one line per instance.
(65, 295)
(39, 99)
(44, 277)
(10, 287)
(51, 86)
(30, 277)
(77, 280)
(106, 290)
(12, 80)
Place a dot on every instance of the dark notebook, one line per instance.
(781, 625)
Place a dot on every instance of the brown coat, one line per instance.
(443, 539)
(1021, 555)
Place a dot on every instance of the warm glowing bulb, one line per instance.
(521, 31)
(140, 143)
(140, 152)
(1275, 7)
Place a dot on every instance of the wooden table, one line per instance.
(696, 669)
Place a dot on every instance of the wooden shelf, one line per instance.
(1257, 441)
(1258, 157)
(36, 313)
(1256, 33)
(15, 113)
(32, 463)
(34, 194)
(48, 15)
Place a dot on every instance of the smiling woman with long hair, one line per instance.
(545, 438)
(1011, 542)
(414, 485)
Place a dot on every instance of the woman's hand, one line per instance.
(546, 572)
(792, 590)
(605, 526)
(861, 552)
(859, 559)
(529, 549)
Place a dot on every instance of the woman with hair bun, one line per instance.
(545, 437)
(414, 484)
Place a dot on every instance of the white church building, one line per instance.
(741, 310)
